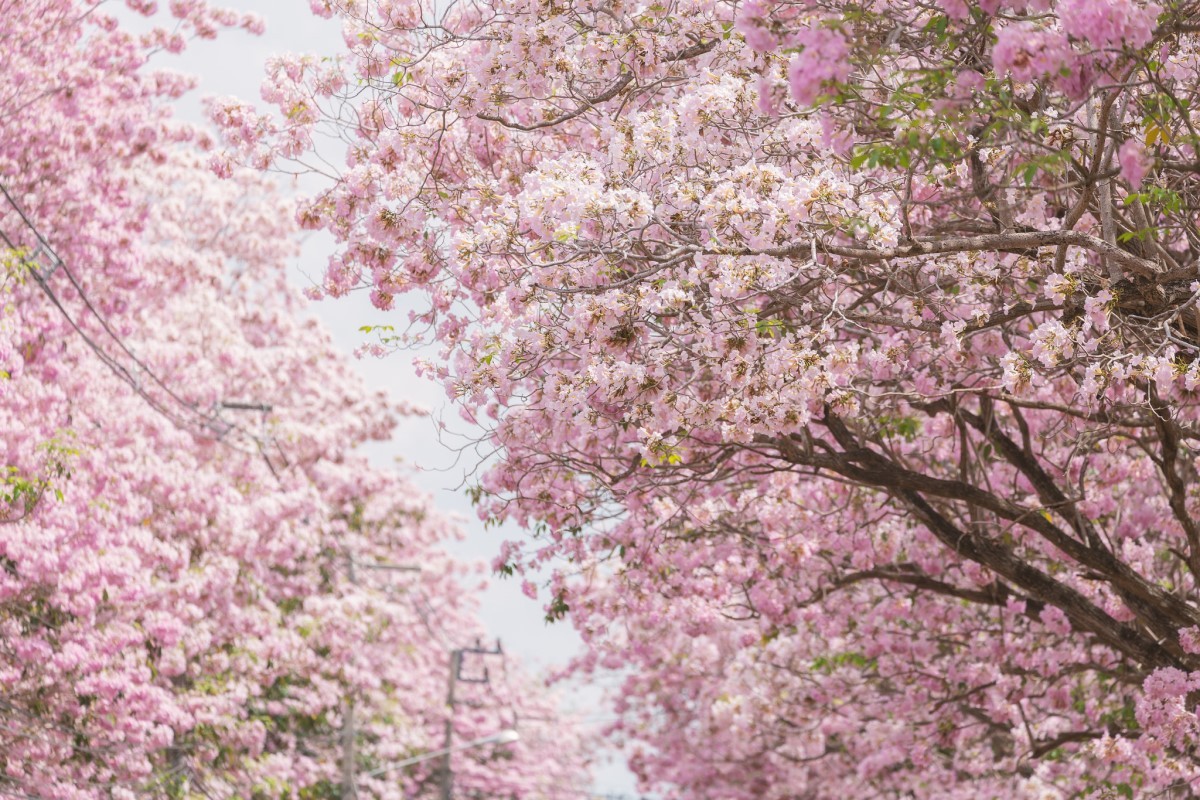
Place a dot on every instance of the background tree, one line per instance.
(180, 500)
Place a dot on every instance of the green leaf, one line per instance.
(557, 609)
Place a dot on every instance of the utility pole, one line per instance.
(349, 734)
(447, 788)
(456, 662)
(349, 783)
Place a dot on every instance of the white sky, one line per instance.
(232, 65)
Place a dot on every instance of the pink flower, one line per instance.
(956, 10)
(755, 28)
(1026, 52)
(969, 81)
(1109, 23)
(1135, 162)
(823, 59)
(767, 103)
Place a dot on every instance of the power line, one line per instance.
(589, 794)
(211, 425)
(59, 263)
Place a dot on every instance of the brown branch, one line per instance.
(587, 103)
(1143, 597)
(1082, 613)
(1158, 609)
(1016, 242)
(1048, 745)
(1168, 436)
(870, 469)
(994, 594)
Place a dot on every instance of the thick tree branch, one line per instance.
(1083, 614)
(993, 242)
(1158, 609)
(996, 593)
(1168, 464)
(1123, 578)
(588, 103)
(870, 469)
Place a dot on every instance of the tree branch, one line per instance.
(997, 242)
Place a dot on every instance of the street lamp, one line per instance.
(503, 737)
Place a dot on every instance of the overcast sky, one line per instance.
(232, 65)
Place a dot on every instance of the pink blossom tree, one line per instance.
(842, 356)
(181, 508)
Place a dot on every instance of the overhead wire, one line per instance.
(117, 368)
(60, 264)
(210, 425)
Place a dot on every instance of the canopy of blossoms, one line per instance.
(841, 356)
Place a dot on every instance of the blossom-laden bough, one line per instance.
(842, 355)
